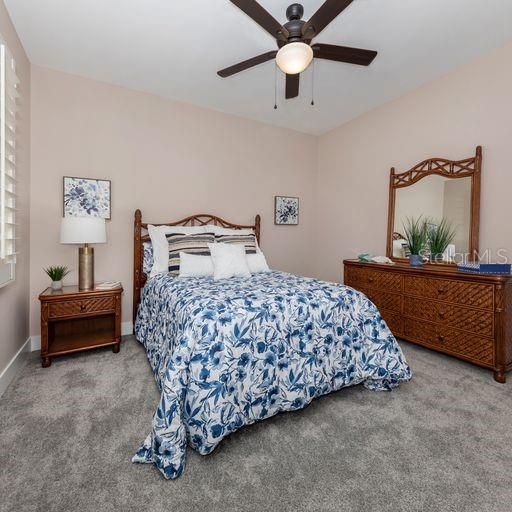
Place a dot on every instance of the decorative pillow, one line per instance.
(229, 260)
(248, 241)
(160, 244)
(257, 263)
(192, 265)
(192, 244)
(147, 257)
(219, 230)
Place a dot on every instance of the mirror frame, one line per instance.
(469, 167)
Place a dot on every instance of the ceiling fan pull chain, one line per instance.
(313, 84)
(275, 85)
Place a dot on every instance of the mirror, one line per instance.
(437, 191)
(435, 198)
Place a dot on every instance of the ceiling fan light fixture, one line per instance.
(294, 58)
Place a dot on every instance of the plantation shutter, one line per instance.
(8, 104)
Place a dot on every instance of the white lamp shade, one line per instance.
(83, 230)
(294, 58)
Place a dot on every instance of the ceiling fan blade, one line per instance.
(292, 86)
(263, 18)
(246, 64)
(325, 14)
(344, 54)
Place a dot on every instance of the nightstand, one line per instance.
(74, 320)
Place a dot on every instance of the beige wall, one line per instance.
(448, 117)
(14, 298)
(169, 159)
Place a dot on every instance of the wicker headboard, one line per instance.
(139, 277)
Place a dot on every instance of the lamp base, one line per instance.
(85, 268)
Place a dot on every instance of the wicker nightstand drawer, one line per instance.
(81, 307)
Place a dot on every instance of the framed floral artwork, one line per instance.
(286, 211)
(86, 197)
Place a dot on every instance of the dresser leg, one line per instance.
(46, 362)
(500, 376)
(116, 348)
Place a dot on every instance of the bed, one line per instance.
(229, 353)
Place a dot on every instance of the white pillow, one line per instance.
(257, 263)
(229, 261)
(161, 246)
(193, 265)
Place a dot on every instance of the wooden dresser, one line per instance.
(468, 316)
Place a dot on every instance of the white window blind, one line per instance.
(8, 104)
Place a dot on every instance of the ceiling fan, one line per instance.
(294, 41)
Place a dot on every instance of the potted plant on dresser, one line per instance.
(416, 237)
(57, 274)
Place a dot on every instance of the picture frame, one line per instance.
(286, 211)
(86, 197)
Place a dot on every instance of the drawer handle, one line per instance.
(82, 307)
(441, 290)
(371, 279)
(442, 314)
(440, 338)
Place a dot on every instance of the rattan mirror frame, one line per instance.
(454, 169)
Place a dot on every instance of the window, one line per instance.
(8, 98)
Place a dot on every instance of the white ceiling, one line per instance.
(173, 48)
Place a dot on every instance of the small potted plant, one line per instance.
(57, 274)
(439, 237)
(416, 237)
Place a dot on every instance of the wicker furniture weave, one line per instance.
(453, 169)
(73, 320)
(468, 316)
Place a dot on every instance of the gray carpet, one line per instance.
(439, 443)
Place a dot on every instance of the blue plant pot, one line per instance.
(416, 260)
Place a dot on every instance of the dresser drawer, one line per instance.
(380, 280)
(81, 307)
(459, 292)
(384, 300)
(366, 278)
(355, 277)
(473, 320)
(459, 343)
(394, 321)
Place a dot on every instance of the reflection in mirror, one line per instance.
(435, 198)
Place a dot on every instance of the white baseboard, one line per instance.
(35, 341)
(14, 366)
(126, 328)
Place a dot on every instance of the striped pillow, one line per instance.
(249, 240)
(191, 244)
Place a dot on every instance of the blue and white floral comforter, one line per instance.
(228, 353)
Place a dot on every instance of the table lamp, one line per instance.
(84, 230)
